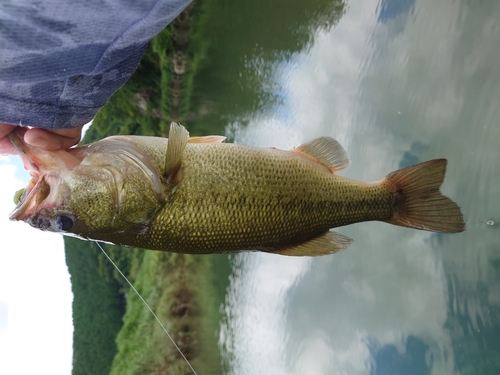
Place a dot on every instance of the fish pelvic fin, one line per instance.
(420, 202)
(326, 151)
(327, 243)
(177, 139)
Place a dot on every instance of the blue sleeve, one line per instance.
(61, 60)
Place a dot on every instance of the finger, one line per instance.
(6, 147)
(59, 139)
(5, 129)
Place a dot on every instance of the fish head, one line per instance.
(107, 191)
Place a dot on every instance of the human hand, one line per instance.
(48, 139)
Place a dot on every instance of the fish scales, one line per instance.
(196, 195)
(233, 196)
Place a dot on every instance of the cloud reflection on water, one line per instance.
(395, 90)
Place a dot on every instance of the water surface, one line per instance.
(397, 83)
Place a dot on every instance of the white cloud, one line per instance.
(35, 288)
(4, 313)
(254, 334)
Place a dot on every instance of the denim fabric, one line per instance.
(61, 60)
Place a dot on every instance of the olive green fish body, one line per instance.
(238, 198)
(197, 195)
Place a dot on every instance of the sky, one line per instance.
(35, 290)
(36, 328)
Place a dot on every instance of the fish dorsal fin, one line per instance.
(207, 139)
(326, 151)
(327, 243)
(177, 139)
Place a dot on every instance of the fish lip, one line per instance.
(16, 137)
(40, 222)
(45, 173)
(43, 220)
(22, 209)
(38, 195)
(27, 204)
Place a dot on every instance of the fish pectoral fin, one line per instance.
(327, 243)
(326, 151)
(207, 139)
(177, 139)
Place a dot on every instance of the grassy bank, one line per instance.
(99, 301)
(176, 288)
(114, 331)
(160, 91)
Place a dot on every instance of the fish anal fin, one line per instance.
(207, 139)
(326, 151)
(327, 243)
(177, 139)
(420, 202)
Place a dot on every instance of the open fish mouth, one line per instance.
(34, 194)
(38, 205)
(42, 187)
(36, 189)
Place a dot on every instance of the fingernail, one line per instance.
(39, 142)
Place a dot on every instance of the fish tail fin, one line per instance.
(420, 202)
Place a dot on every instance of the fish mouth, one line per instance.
(40, 193)
(44, 168)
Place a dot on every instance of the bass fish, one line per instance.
(198, 195)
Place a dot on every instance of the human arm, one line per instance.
(61, 61)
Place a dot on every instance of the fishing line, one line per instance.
(488, 222)
(150, 309)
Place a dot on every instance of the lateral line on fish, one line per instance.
(149, 308)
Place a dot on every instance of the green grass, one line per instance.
(155, 95)
(178, 289)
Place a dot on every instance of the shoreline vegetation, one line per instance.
(160, 90)
(114, 332)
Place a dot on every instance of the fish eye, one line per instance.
(64, 223)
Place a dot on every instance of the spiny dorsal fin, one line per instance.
(207, 139)
(177, 139)
(327, 243)
(326, 151)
